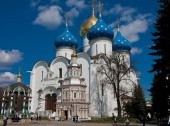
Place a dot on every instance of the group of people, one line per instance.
(75, 119)
(115, 120)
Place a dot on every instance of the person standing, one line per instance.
(143, 120)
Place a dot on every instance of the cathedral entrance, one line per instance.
(18, 101)
(50, 102)
(66, 114)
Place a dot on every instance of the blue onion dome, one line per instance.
(66, 39)
(120, 43)
(100, 29)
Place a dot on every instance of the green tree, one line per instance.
(136, 107)
(128, 109)
(138, 102)
(160, 89)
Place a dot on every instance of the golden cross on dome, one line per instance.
(66, 15)
(117, 24)
(19, 72)
(100, 5)
(19, 75)
(92, 2)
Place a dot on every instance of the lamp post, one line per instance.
(169, 110)
(168, 91)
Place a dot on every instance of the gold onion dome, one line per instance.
(87, 24)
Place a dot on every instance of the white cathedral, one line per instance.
(70, 85)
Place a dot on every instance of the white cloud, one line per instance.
(73, 13)
(136, 50)
(49, 16)
(8, 58)
(133, 22)
(35, 3)
(119, 10)
(131, 31)
(7, 78)
(80, 4)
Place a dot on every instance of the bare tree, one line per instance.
(114, 71)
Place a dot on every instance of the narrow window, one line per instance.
(42, 76)
(80, 69)
(66, 55)
(96, 50)
(74, 95)
(66, 94)
(105, 48)
(60, 72)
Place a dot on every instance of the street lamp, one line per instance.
(168, 89)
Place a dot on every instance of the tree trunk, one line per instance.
(118, 107)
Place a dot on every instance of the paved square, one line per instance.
(56, 123)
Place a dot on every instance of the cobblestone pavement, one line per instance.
(65, 123)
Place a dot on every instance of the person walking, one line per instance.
(127, 122)
(5, 121)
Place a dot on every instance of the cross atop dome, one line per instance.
(100, 6)
(19, 75)
(66, 18)
(117, 24)
(92, 2)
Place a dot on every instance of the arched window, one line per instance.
(74, 95)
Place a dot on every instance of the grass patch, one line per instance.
(100, 120)
(110, 120)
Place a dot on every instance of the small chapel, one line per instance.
(16, 98)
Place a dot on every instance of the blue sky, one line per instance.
(28, 29)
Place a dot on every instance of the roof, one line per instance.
(120, 43)
(18, 84)
(100, 29)
(66, 39)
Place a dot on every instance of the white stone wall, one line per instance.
(95, 108)
(84, 60)
(37, 82)
(65, 52)
(59, 62)
(99, 46)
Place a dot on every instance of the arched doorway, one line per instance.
(50, 102)
(18, 101)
